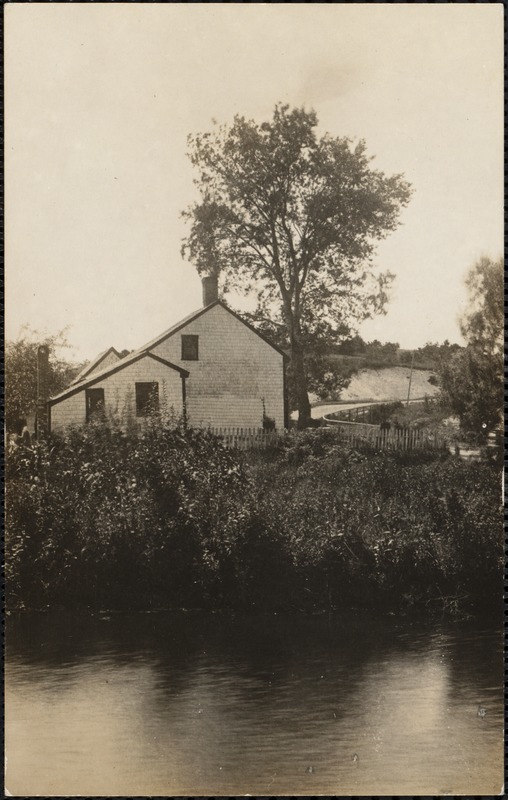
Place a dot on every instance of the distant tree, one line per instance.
(352, 347)
(293, 219)
(472, 379)
(432, 355)
(382, 353)
(21, 372)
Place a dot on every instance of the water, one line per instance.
(217, 704)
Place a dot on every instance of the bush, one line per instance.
(170, 518)
(107, 517)
(391, 527)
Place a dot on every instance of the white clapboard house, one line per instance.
(213, 367)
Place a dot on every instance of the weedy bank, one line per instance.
(104, 518)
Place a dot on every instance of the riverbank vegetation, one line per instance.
(103, 518)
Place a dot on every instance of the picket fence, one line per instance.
(246, 438)
(358, 434)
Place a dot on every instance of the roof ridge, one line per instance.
(93, 363)
(191, 317)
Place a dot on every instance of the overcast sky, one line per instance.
(100, 99)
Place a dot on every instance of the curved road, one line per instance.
(328, 408)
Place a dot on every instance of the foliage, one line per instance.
(472, 386)
(382, 354)
(385, 412)
(293, 218)
(472, 380)
(120, 518)
(482, 324)
(355, 346)
(370, 529)
(432, 355)
(21, 372)
(169, 518)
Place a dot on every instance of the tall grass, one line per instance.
(107, 519)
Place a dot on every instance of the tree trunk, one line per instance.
(297, 365)
(300, 382)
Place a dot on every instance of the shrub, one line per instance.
(170, 518)
(107, 516)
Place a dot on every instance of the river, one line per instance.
(189, 703)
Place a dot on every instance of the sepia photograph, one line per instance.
(254, 328)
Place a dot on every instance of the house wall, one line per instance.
(119, 393)
(235, 370)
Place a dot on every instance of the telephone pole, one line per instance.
(410, 378)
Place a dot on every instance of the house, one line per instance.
(213, 367)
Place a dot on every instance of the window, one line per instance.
(147, 398)
(190, 348)
(94, 399)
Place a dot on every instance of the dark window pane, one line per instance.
(190, 350)
(147, 398)
(94, 402)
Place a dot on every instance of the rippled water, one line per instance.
(217, 704)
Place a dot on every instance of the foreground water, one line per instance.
(217, 704)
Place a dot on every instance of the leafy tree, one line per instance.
(21, 372)
(352, 347)
(431, 356)
(293, 218)
(378, 353)
(472, 379)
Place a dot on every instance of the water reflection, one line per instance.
(197, 704)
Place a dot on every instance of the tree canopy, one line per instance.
(21, 372)
(293, 219)
(472, 379)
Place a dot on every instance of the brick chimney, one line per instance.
(210, 289)
(42, 423)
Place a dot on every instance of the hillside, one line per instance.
(387, 383)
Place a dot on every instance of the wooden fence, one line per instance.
(247, 438)
(356, 414)
(370, 412)
(360, 435)
(372, 437)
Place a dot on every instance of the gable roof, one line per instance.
(76, 386)
(95, 363)
(107, 371)
(182, 324)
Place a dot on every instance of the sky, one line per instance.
(100, 99)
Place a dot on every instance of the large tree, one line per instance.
(294, 219)
(472, 379)
(21, 372)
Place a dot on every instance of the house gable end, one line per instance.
(180, 327)
(95, 365)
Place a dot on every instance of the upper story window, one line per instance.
(190, 347)
(147, 398)
(94, 399)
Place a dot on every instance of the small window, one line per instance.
(147, 398)
(94, 403)
(190, 349)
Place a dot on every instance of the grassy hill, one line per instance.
(385, 384)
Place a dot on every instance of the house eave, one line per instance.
(97, 378)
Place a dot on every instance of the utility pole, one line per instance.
(410, 378)
(42, 418)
